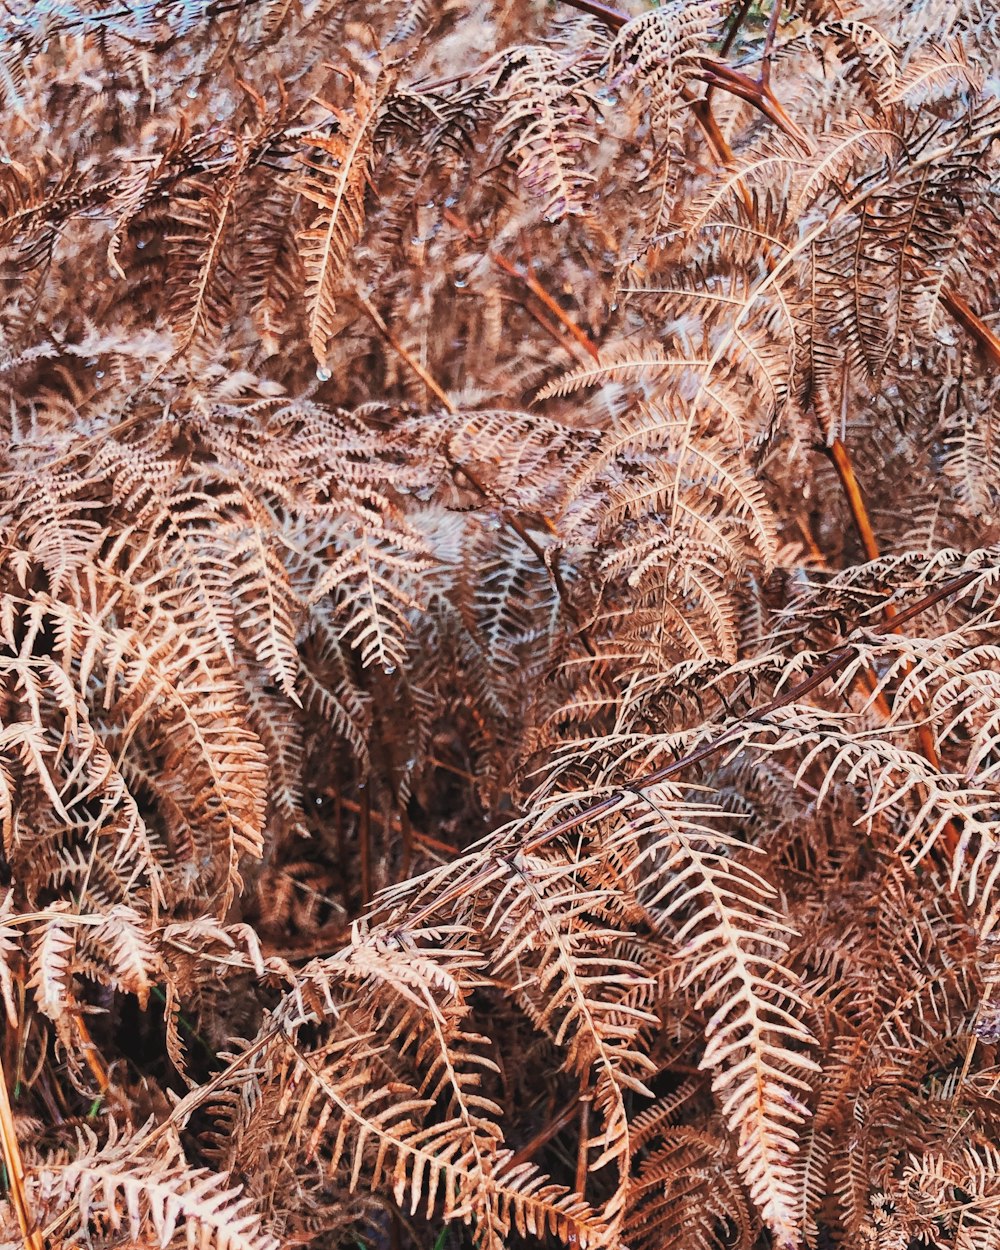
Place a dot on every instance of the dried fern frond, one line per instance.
(337, 164)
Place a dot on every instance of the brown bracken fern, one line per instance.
(500, 624)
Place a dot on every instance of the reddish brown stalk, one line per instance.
(550, 328)
(855, 501)
(973, 324)
(545, 1134)
(739, 17)
(810, 540)
(390, 824)
(614, 19)
(14, 1166)
(862, 523)
(365, 847)
(464, 773)
(405, 355)
(92, 1056)
(540, 293)
(583, 1140)
(703, 115)
(701, 107)
(533, 285)
(565, 1116)
(435, 844)
(772, 31)
(407, 831)
(867, 679)
(338, 828)
(755, 92)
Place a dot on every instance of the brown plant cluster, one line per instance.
(500, 624)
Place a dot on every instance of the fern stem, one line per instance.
(738, 18)
(613, 18)
(92, 1056)
(365, 847)
(407, 831)
(756, 92)
(405, 354)
(338, 830)
(546, 1133)
(862, 523)
(533, 285)
(772, 30)
(15, 1170)
(435, 844)
(972, 323)
(855, 500)
(583, 1099)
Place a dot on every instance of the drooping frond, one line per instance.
(336, 165)
(151, 1198)
(546, 119)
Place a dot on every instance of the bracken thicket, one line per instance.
(500, 624)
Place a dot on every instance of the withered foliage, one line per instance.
(500, 624)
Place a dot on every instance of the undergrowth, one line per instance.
(499, 608)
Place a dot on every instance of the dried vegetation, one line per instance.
(500, 624)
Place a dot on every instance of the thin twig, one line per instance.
(406, 829)
(855, 501)
(972, 323)
(739, 17)
(92, 1056)
(546, 1133)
